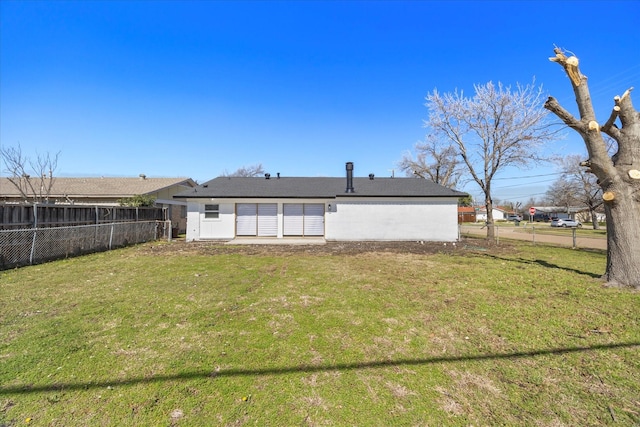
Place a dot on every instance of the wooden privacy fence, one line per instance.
(14, 217)
(466, 217)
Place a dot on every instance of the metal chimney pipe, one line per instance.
(349, 178)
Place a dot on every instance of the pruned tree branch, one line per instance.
(570, 65)
(578, 81)
(627, 113)
(609, 127)
(552, 105)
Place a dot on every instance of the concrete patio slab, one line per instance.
(275, 241)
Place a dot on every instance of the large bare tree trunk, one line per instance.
(618, 174)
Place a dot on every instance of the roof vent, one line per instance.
(267, 176)
(143, 176)
(278, 175)
(349, 178)
(371, 176)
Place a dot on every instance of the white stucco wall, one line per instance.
(200, 228)
(224, 227)
(430, 220)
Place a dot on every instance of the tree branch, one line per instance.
(627, 113)
(579, 83)
(570, 65)
(552, 105)
(609, 127)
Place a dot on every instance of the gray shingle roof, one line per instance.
(303, 187)
(100, 187)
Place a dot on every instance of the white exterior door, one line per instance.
(314, 219)
(268, 219)
(293, 219)
(246, 218)
(263, 220)
(303, 219)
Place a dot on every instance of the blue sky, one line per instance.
(180, 88)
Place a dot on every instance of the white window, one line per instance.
(212, 211)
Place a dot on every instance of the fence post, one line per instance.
(35, 215)
(111, 235)
(33, 246)
(573, 232)
(533, 227)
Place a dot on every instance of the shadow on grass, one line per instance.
(545, 264)
(305, 369)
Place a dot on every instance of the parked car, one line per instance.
(514, 218)
(542, 217)
(565, 222)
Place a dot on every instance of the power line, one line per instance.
(530, 176)
(520, 185)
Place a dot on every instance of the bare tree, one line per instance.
(576, 187)
(495, 129)
(561, 193)
(435, 160)
(618, 175)
(33, 178)
(247, 171)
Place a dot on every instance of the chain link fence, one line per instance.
(36, 245)
(568, 237)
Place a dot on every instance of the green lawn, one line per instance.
(165, 334)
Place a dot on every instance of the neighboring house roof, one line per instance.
(484, 209)
(466, 209)
(318, 187)
(100, 187)
(560, 209)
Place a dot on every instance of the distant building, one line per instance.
(108, 192)
(498, 214)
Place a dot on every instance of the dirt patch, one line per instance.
(466, 245)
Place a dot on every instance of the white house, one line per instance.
(336, 209)
(498, 214)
